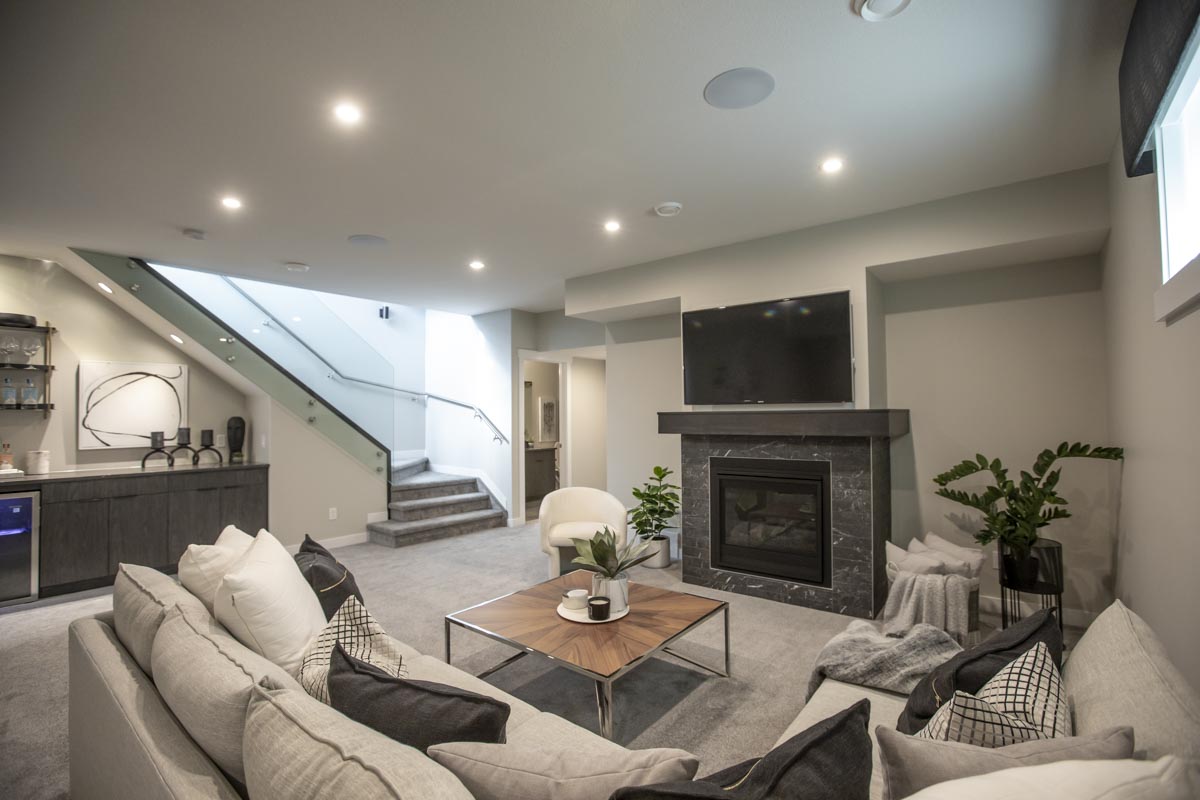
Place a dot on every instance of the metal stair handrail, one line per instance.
(497, 435)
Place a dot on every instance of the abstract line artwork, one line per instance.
(120, 403)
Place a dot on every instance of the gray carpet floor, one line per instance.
(662, 703)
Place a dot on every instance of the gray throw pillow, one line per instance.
(910, 763)
(504, 771)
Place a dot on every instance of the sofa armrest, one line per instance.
(124, 742)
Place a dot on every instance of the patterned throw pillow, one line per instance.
(361, 637)
(1024, 702)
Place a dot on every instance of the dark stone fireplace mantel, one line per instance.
(867, 423)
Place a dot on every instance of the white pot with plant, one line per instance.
(658, 503)
(609, 563)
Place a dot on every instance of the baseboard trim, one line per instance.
(377, 516)
(1073, 617)
(336, 541)
(515, 522)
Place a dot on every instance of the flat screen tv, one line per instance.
(796, 350)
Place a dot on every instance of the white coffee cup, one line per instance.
(575, 599)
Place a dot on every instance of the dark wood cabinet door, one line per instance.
(137, 530)
(195, 519)
(244, 506)
(74, 541)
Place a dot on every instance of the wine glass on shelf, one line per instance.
(9, 346)
(30, 346)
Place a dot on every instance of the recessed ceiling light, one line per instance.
(832, 165)
(296, 266)
(176, 339)
(739, 88)
(612, 226)
(367, 239)
(476, 265)
(670, 209)
(349, 114)
(105, 287)
(231, 202)
(255, 330)
(879, 10)
(295, 319)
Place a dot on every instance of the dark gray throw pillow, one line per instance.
(971, 669)
(332, 582)
(829, 761)
(419, 714)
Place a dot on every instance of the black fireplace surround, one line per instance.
(770, 517)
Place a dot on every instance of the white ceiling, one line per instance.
(509, 131)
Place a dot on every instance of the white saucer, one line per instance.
(580, 615)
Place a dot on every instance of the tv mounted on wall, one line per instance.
(796, 350)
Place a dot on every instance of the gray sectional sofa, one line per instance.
(164, 703)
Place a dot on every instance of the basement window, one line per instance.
(1177, 147)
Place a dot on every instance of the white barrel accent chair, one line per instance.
(577, 512)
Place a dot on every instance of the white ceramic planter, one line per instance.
(661, 548)
(615, 589)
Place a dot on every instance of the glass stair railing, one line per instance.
(225, 340)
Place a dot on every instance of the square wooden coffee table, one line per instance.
(527, 620)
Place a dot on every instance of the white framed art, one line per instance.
(121, 402)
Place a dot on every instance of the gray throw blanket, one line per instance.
(939, 600)
(865, 656)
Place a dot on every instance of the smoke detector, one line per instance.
(879, 10)
(295, 266)
(671, 209)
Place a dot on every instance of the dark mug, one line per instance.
(598, 608)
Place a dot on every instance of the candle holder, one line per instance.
(206, 446)
(183, 441)
(158, 441)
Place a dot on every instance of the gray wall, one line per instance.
(644, 376)
(1154, 411)
(589, 423)
(92, 329)
(1004, 362)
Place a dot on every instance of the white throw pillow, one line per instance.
(954, 565)
(267, 605)
(900, 560)
(974, 556)
(1023, 702)
(203, 565)
(1169, 778)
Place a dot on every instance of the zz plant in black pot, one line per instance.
(658, 503)
(1014, 511)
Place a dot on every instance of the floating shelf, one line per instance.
(25, 367)
(38, 407)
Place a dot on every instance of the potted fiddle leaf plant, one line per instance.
(658, 503)
(1015, 511)
(609, 563)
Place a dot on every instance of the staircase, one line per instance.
(430, 505)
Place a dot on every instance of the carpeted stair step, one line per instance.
(428, 507)
(394, 533)
(432, 484)
(409, 468)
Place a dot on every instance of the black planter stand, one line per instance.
(1041, 574)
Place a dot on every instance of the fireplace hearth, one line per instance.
(793, 506)
(770, 517)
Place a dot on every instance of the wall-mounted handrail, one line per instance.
(497, 435)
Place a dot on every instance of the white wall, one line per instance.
(1154, 402)
(1005, 362)
(309, 476)
(90, 328)
(836, 256)
(588, 421)
(471, 359)
(644, 375)
(401, 340)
